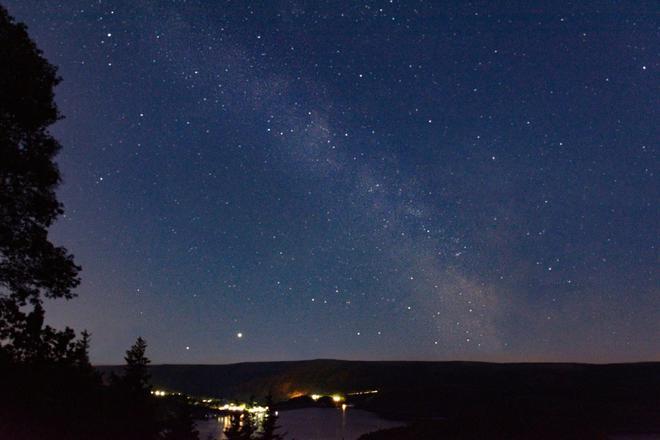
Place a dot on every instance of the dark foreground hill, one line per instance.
(602, 398)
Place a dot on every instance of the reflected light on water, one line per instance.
(338, 423)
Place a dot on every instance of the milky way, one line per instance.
(361, 180)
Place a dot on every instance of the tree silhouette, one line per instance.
(270, 422)
(138, 411)
(248, 427)
(136, 373)
(180, 425)
(48, 387)
(241, 426)
(31, 267)
(233, 432)
(82, 350)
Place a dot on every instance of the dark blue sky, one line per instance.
(362, 180)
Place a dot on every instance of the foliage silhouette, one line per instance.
(233, 431)
(136, 373)
(48, 387)
(270, 422)
(31, 267)
(241, 426)
(180, 425)
(248, 427)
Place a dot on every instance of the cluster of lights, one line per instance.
(335, 397)
(361, 393)
(339, 398)
(161, 393)
(231, 407)
(243, 407)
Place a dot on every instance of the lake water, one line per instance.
(312, 424)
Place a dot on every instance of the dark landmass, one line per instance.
(451, 399)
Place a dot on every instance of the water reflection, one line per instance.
(311, 424)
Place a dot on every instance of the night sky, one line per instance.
(284, 180)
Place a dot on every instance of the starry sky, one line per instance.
(423, 180)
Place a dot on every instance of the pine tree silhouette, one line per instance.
(270, 422)
(136, 373)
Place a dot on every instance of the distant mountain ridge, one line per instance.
(286, 378)
(612, 397)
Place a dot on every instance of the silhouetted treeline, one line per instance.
(56, 401)
(48, 388)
